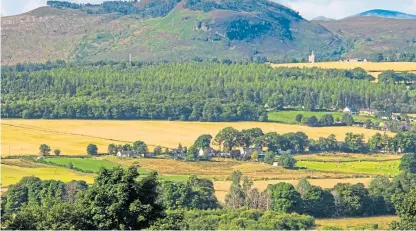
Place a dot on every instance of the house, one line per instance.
(129, 153)
(178, 153)
(148, 155)
(368, 111)
(275, 164)
(209, 152)
(246, 152)
(349, 110)
(355, 60)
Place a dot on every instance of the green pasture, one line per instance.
(390, 168)
(290, 116)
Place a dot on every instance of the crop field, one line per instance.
(356, 223)
(373, 68)
(13, 171)
(73, 136)
(290, 116)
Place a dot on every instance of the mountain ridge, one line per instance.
(386, 14)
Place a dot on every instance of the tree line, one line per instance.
(192, 91)
(118, 199)
(154, 8)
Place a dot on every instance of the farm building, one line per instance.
(207, 151)
(130, 154)
(178, 153)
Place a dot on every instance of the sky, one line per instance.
(309, 9)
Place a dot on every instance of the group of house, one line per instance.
(382, 114)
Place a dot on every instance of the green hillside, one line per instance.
(237, 30)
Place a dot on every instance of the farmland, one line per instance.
(73, 136)
(218, 170)
(13, 170)
(290, 116)
(356, 223)
(373, 68)
(390, 168)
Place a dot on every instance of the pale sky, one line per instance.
(308, 8)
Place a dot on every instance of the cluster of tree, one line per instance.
(393, 57)
(139, 147)
(192, 91)
(326, 120)
(394, 77)
(154, 8)
(229, 138)
(45, 150)
(344, 200)
(242, 219)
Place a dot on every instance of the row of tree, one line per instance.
(195, 91)
(154, 8)
(229, 138)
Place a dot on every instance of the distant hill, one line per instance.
(164, 30)
(322, 18)
(366, 36)
(154, 30)
(386, 14)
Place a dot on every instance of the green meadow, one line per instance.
(290, 116)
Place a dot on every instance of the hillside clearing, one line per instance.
(73, 136)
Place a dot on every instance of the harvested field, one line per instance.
(73, 136)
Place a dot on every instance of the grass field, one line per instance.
(10, 174)
(290, 116)
(73, 136)
(347, 157)
(360, 223)
(389, 168)
(86, 164)
(373, 68)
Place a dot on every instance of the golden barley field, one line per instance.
(23, 137)
(373, 68)
(356, 223)
(14, 170)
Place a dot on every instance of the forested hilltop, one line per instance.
(194, 91)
